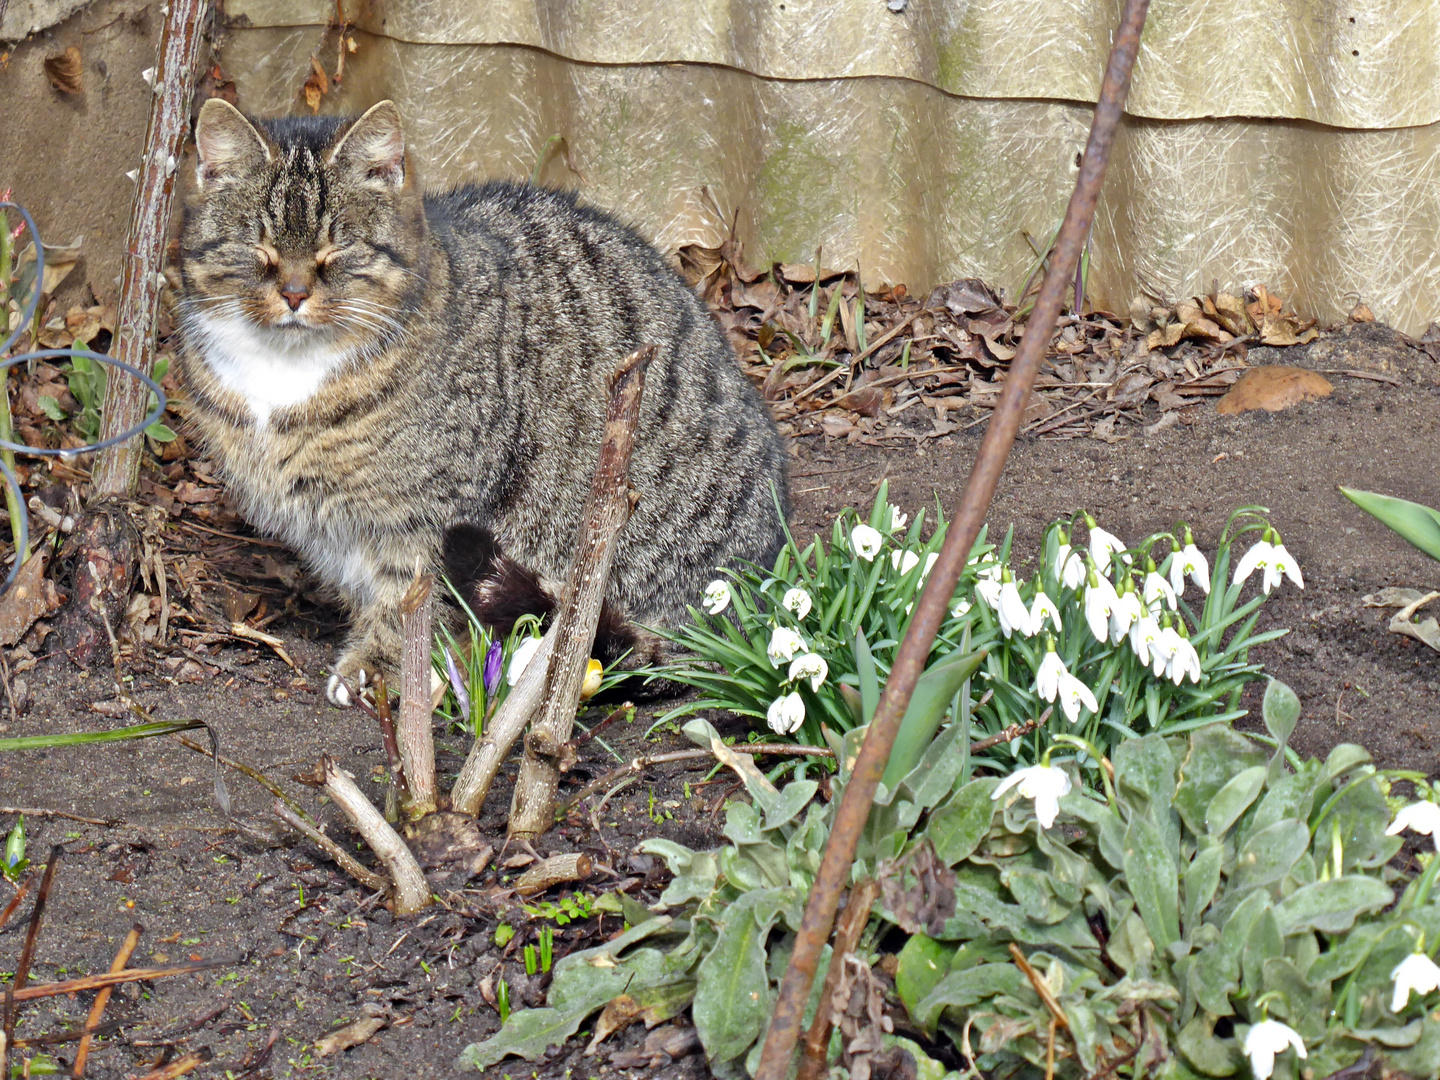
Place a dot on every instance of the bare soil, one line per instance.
(311, 950)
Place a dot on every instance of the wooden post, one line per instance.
(117, 470)
(607, 509)
(417, 741)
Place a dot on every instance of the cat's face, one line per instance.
(308, 231)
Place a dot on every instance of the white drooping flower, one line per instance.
(1011, 610)
(1282, 563)
(1070, 566)
(1262, 556)
(1157, 589)
(1042, 608)
(1126, 610)
(810, 666)
(897, 519)
(1420, 817)
(1144, 632)
(1266, 1039)
(960, 608)
(1103, 544)
(520, 659)
(1416, 972)
(904, 561)
(1049, 673)
(1100, 601)
(865, 542)
(1042, 783)
(1189, 561)
(988, 590)
(786, 714)
(1073, 694)
(930, 561)
(784, 644)
(1184, 661)
(1163, 649)
(797, 601)
(717, 597)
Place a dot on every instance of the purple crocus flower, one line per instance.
(492, 668)
(462, 696)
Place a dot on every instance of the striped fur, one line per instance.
(445, 368)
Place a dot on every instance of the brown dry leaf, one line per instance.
(191, 493)
(352, 1034)
(1273, 387)
(865, 400)
(1131, 389)
(1427, 631)
(837, 427)
(1166, 336)
(60, 259)
(317, 85)
(968, 296)
(1361, 313)
(616, 1016)
(64, 71)
(763, 295)
(919, 890)
(31, 597)
(1229, 312)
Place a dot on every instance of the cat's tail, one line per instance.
(500, 591)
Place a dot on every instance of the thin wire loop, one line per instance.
(26, 320)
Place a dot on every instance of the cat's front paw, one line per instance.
(353, 678)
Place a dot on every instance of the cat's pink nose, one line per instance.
(295, 294)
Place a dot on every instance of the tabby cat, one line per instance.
(389, 378)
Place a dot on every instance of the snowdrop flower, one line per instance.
(960, 608)
(1126, 610)
(897, 519)
(1257, 558)
(1416, 972)
(797, 602)
(786, 714)
(1103, 544)
(520, 659)
(1183, 661)
(1049, 673)
(865, 542)
(809, 666)
(1069, 564)
(1264, 1041)
(1073, 694)
(1144, 632)
(1012, 612)
(1420, 817)
(717, 597)
(1157, 588)
(1282, 562)
(1189, 562)
(988, 590)
(784, 644)
(1043, 784)
(1042, 608)
(930, 561)
(904, 561)
(1100, 601)
(1163, 649)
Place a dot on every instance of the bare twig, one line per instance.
(186, 1063)
(639, 764)
(14, 992)
(343, 858)
(97, 1010)
(607, 509)
(117, 471)
(411, 893)
(1014, 731)
(848, 929)
(555, 870)
(417, 741)
(114, 978)
(40, 811)
(933, 604)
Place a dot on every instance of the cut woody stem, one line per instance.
(416, 738)
(607, 509)
(850, 817)
(548, 689)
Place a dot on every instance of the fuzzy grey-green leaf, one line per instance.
(958, 826)
(1280, 709)
(1150, 874)
(732, 1000)
(1233, 799)
(1332, 906)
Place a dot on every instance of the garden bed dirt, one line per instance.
(310, 951)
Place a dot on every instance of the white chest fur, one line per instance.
(269, 369)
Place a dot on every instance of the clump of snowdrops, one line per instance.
(1116, 639)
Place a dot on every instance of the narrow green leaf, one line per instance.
(85, 738)
(933, 693)
(1418, 524)
(869, 683)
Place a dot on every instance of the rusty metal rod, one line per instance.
(930, 611)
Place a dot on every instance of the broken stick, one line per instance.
(607, 509)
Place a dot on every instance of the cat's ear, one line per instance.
(374, 146)
(228, 144)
